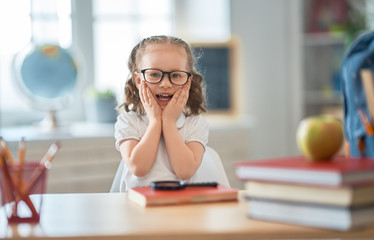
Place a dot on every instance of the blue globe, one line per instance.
(47, 75)
(49, 71)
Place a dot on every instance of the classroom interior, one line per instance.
(283, 58)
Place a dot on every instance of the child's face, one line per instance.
(166, 58)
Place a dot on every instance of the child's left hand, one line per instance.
(176, 105)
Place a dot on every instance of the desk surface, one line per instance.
(112, 216)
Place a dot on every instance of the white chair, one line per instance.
(210, 170)
(116, 184)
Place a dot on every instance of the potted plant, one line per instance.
(100, 106)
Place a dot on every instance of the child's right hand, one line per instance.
(151, 107)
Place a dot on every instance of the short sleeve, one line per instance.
(197, 130)
(128, 126)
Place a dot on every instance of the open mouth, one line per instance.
(164, 97)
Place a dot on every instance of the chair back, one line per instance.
(210, 170)
(116, 184)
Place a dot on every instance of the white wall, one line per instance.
(269, 35)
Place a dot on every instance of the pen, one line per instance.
(6, 151)
(5, 154)
(7, 187)
(21, 161)
(365, 121)
(45, 163)
(21, 152)
(51, 152)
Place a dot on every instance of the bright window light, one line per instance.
(118, 26)
(15, 25)
(23, 22)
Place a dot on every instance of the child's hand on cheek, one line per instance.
(175, 107)
(151, 107)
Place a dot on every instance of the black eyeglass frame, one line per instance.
(162, 76)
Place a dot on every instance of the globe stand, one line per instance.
(50, 121)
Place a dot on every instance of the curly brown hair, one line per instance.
(196, 101)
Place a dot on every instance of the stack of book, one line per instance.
(338, 194)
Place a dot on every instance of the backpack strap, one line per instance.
(357, 68)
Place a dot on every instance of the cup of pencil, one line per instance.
(22, 183)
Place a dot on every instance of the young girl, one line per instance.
(161, 135)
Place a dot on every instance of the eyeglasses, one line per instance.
(154, 76)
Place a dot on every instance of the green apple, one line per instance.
(320, 137)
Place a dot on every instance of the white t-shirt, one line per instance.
(132, 125)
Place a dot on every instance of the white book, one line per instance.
(343, 196)
(313, 215)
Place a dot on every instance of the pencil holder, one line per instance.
(21, 191)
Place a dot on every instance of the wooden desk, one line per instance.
(112, 216)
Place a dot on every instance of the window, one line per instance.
(118, 25)
(109, 27)
(35, 21)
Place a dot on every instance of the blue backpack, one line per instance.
(358, 120)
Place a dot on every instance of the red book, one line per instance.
(340, 171)
(145, 196)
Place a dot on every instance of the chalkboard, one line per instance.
(214, 63)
